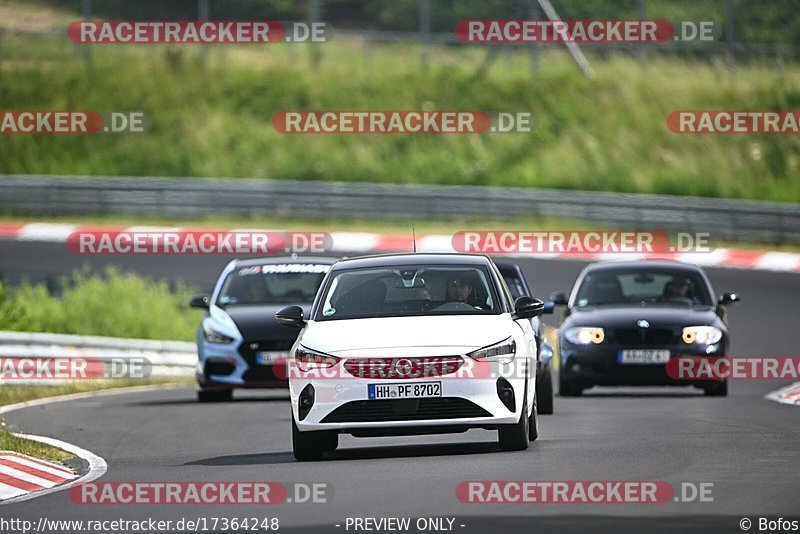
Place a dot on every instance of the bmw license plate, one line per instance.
(644, 356)
(270, 357)
(412, 390)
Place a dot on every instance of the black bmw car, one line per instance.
(624, 321)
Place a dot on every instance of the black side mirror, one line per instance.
(291, 316)
(559, 298)
(199, 301)
(527, 307)
(729, 298)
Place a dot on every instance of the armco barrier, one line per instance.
(168, 358)
(732, 220)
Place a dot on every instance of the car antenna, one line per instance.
(414, 236)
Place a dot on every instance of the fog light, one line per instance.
(506, 393)
(305, 402)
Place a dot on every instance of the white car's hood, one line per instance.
(407, 336)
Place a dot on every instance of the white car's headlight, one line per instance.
(585, 335)
(212, 336)
(704, 335)
(503, 351)
(307, 359)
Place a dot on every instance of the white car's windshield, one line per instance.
(408, 291)
(272, 284)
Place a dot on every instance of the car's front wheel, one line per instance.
(516, 437)
(533, 421)
(544, 391)
(718, 389)
(310, 446)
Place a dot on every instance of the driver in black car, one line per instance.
(677, 291)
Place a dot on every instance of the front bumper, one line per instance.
(588, 366)
(235, 366)
(341, 403)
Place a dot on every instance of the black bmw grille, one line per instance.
(644, 337)
(377, 411)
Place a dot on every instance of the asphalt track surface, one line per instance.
(745, 445)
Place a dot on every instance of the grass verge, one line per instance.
(212, 116)
(10, 442)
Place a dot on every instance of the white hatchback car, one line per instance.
(410, 344)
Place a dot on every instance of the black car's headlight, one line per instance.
(585, 335)
(704, 335)
(212, 336)
(503, 351)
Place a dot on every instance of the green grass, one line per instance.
(114, 305)
(213, 118)
(10, 442)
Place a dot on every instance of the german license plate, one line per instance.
(270, 357)
(644, 356)
(412, 390)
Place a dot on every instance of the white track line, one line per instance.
(97, 465)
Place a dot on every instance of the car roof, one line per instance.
(647, 264)
(386, 260)
(508, 268)
(286, 259)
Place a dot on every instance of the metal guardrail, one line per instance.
(165, 358)
(732, 220)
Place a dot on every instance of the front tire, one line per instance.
(718, 389)
(544, 391)
(533, 420)
(311, 446)
(516, 437)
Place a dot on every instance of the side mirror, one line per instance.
(527, 307)
(549, 307)
(291, 316)
(729, 298)
(559, 298)
(199, 301)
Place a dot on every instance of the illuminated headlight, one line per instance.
(584, 335)
(499, 352)
(704, 335)
(212, 336)
(307, 359)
